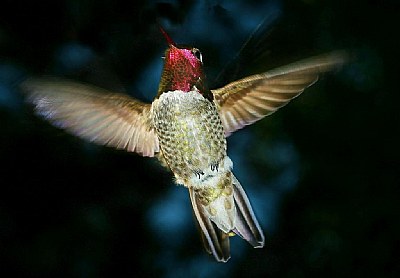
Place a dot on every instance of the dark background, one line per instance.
(322, 173)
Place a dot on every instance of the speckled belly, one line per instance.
(190, 133)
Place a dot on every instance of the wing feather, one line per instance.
(250, 99)
(94, 114)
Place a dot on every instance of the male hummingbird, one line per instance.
(185, 127)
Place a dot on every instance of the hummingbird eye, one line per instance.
(197, 54)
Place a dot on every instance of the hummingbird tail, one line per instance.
(215, 241)
(246, 225)
(214, 235)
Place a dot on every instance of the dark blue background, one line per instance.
(322, 173)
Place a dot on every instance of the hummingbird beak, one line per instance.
(167, 37)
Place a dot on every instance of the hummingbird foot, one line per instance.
(214, 166)
(201, 175)
(198, 173)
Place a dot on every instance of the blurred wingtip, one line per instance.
(340, 57)
(31, 84)
(331, 60)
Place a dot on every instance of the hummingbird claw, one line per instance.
(214, 167)
(199, 173)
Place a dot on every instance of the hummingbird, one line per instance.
(185, 127)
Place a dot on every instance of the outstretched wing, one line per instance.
(250, 99)
(94, 114)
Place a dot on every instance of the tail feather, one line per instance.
(246, 224)
(215, 241)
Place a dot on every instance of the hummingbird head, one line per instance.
(183, 69)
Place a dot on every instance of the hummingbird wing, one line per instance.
(250, 99)
(94, 114)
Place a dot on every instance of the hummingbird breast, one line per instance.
(191, 137)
